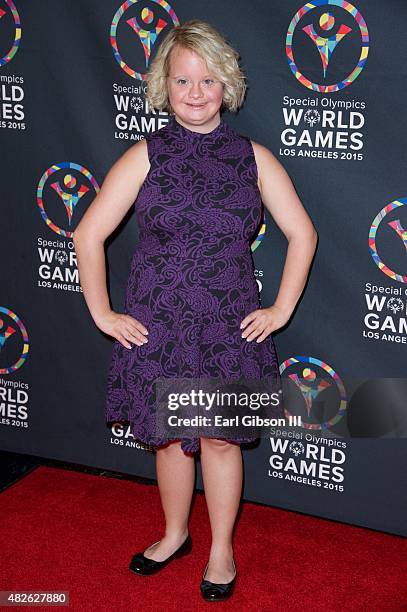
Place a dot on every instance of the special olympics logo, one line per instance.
(17, 31)
(396, 305)
(312, 117)
(8, 331)
(311, 388)
(398, 229)
(147, 26)
(296, 448)
(327, 42)
(69, 194)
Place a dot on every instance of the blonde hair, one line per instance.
(221, 59)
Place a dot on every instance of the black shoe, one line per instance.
(145, 566)
(212, 591)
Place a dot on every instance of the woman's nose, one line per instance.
(195, 90)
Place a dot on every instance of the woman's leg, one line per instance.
(176, 479)
(222, 473)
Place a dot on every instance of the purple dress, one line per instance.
(191, 280)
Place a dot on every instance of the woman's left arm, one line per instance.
(281, 200)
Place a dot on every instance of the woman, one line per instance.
(198, 187)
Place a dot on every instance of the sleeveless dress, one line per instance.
(191, 279)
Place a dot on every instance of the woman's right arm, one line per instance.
(116, 196)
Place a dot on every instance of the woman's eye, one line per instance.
(209, 81)
(181, 81)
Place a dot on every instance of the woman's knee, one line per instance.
(171, 448)
(216, 444)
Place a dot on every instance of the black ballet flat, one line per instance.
(144, 566)
(213, 591)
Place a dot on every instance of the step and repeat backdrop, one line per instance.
(327, 95)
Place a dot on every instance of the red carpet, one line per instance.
(76, 532)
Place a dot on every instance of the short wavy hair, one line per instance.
(221, 59)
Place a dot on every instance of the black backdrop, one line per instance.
(72, 101)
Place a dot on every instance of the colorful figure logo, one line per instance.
(17, 30)
(7, 331)
(327, 43)
(256, 242)
(311, 387)
(68, 191)
(147, 30)
(398, 230)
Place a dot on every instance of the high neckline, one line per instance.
(195, 136)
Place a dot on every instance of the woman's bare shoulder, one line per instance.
(262, 153)
(135, 158)
(267, 163)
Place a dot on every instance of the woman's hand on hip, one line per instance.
(261, 322)
(124, 328)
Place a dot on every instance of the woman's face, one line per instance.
(194, 93)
